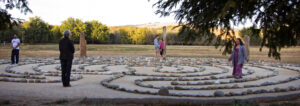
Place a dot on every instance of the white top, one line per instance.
(15, 42)
(156, 43)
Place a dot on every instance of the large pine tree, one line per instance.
(278, 20)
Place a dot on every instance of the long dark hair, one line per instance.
(241, 43)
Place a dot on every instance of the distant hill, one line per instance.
(154, 24)
(157, 24)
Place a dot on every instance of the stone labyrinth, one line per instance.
(178, 77)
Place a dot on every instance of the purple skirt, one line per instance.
(237, 70)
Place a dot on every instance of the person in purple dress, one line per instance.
(238, 56)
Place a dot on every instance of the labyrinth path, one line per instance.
(175, 77)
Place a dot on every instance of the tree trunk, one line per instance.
(247, 45)
(165, 40)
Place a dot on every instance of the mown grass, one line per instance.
(118, 47)
(290, 55)
(93, 47)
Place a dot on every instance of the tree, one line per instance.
(88, 32)
(99, 32)
(278, 20)
(189, 35)
(6, 20)
(150, 35)
(76, 26)
(36, 31)
(138, 35)
(255, 39)
(7, 35)
(124, 35)
(56, 33)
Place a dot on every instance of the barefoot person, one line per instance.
(156, 46)
(15, 45)
(162, 48)
(66, 49)
(238, 56)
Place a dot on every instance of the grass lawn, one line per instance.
(291, 55)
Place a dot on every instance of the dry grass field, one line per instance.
(291, 55)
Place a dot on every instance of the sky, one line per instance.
(108, 12)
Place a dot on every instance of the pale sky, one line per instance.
(109, 12)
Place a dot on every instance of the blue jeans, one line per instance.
(15, 52)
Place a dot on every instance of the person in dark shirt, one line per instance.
(66, 49)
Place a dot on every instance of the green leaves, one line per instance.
(36, 31)
(6, 20)
(95, 32)
(76, 26)
(277, 20)
(100, 32)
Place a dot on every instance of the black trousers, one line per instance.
(14, 53)
(161, 52)
(66, 66)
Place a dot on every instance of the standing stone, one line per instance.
(82, 45)
(247, 44)
(163, 91)
(165, 40)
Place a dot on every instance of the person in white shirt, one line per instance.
(15, 45)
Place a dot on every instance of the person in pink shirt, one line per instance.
(162, 48)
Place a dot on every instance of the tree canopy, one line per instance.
(6, 20)
(36, 31)
(97, 31)
(76, 26)
(277, 20)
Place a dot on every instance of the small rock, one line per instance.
(293, 88)
(178, 88)
(272, 90)
(264, 91)
(227, 86)
(231, 93)
(174, 83)
(163, 91)
(257, 91)
(277, 89)
(238, 93)
(213, 77)
(227, 94)
(266, 83)
(219, 93)
(150, 85)
(235, 86)
(283, 89)
(244, 93)
(217, 82)
(200, 83)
